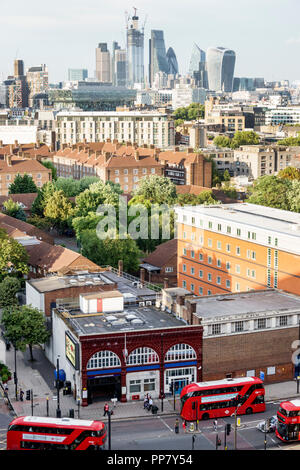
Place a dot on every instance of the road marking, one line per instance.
(165, 423)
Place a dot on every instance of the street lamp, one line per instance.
(58, 411)
(109, 429)
(15, 373)
(238, 403)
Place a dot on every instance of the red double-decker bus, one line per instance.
(204, 400)
(288, 421)
(36, 433)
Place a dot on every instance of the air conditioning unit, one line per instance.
(148, 302)
(141, 304)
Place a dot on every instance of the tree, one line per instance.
(290, 173)
(13, 256)
(205, 197)
(23, 184)
(110, 250)
(222, 141)
(8, 290)
(41, 200)
(50, 166)
(293, 196)
(13, 209)
(290, 141)
(25, 325)
(5, 373)
(155, 190)
(59, 210)
(271, 191)
(244, 138)
(226, 175)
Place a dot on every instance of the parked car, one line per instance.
(271, 427)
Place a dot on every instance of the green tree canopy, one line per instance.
(59, 210)
(40, 201)
(13, 209)
(50, 166)
(13, 256)
(239, 138)
(110, 251)
(206, 197)
(25, 325)
(270, 191)
(155, 190)
(23, 184)
(290, 173)
(189, 113)
(8, 290)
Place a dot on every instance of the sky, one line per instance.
(265, 34)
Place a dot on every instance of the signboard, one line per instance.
(72, 351)
(262, 376)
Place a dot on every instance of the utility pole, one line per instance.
(238, 400)
(109, 429)
(58, 411)
(15, 374)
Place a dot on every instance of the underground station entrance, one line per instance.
(104, 388)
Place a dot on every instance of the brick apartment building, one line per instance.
(127, 164)
(11, 166)
(238, 247)
(161, 265)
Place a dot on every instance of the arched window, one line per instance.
(103, 359)
(142, 356)
(180, 352)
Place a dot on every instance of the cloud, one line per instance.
(293, 41)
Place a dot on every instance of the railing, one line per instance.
(147, 284)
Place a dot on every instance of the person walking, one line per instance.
(215, 425)
(176, 426)
(184, 426)
(146, 401)
(150, 403)
(21, 395)
(106, 409)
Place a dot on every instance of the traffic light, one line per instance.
(28, 394)
(228, 429)
(219, 442)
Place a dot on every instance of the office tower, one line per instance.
(103, 63)
(37, 80)
(198, 56)
(135, 52)
(220, 68)
(18, 68)
(157, 54)
(75, 75)
(18, 88)
(119, 65)
(172, 62)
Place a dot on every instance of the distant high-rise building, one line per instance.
(18, 68)
(197, 56)
(172, 62)
(17, 91)
(119, 65)
(220, 68)
(135, 52)
(75, 75)
(103, 63)
(157, 54)
(37, 80)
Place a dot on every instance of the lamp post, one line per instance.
(15, 374)
(238, 403)
(109, 429)
(58, 411)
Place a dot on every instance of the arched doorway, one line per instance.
(104, 376)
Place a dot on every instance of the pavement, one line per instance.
(38, 376)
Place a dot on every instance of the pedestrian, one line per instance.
(184, 426)
(21, 395)
(146, 401)
(106, 409)
(150, 403)
(215, 424)
(176, 426)
(6, 389)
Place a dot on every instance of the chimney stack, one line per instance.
(137, 155)
(107, 156)
(8, 160)
(142, 276)
(166, 283)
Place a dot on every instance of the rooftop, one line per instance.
(130, 320)
(246, 303)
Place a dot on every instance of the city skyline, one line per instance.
(260, 49)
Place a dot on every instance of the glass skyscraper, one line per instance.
(220, 68)
(157, 54)
(135, 53)
(198, 56)
(172, 61)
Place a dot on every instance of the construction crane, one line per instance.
(143, 27)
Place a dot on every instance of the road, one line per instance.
(157, 433)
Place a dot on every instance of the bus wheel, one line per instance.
(249, 411)
(205, 416)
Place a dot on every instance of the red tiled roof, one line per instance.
(162, 254)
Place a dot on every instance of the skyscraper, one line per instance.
(103, 63)
(18, 88)
(37, 79)
(197, 56)
(220, 68)
(135, 52)
(75, 75)
(172, 62)
(157, 54)
(119, 65)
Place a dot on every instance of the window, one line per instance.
(180, 351)
(253, 255)
(184, 284)
(200, 290)
(237, 287)
(275, 279)
(142, 356)
(192, 270)
(192, 287)
(237, 268)
(218, 280)
(184, 251)
(219, 245)
(209, 260)
(216, 329)
(219, 227)
(209, 241)
(200, 257)
(228, 265)
(209, 277)
(219, 263)
(276, 259)
(228, 229)
(184, 268)
(192, 254)
(149, 385)
(238, 326)
(209, 224)
(228, 247)
(134, 386)
(227, 283)
(238, 250)
(193, 220)
(238, 232)
(269, 257)
(261, 323)
(269, 278)
(209, 292)
(200, 273)
(169, 269)
(103, 359)
(283, 320)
